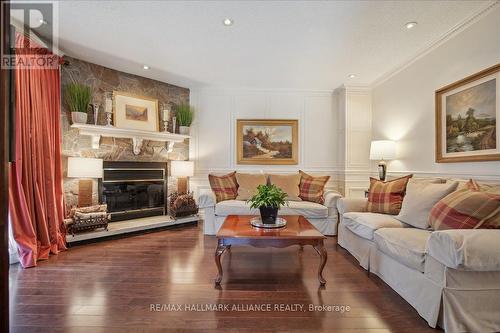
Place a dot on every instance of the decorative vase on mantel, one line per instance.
(184, 115)
(77, 97)
(184, 130)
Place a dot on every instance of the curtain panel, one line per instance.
(36, 198)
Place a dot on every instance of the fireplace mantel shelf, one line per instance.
(137, 136)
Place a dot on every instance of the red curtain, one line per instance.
(36, 190)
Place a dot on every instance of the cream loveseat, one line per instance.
(451, 277)
(323, 216)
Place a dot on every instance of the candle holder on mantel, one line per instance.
(95, 107)
(108, 108)
(166, 116)
(174, 123)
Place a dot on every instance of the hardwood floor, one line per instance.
(110, 287)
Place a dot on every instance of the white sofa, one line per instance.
(323, 216)
(451, 277)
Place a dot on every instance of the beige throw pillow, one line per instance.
(289, 184)
(248, 183)
(419, 200)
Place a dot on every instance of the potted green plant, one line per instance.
(77, 97)
(184, 114)
(268, 200)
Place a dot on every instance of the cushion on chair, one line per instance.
(247, 184)
(224, 187)
(289, 184)
(406, 245)
(419, 200)
(304, 208)
(365, 224)
(312, 188)
(466, 209)
(387, 197)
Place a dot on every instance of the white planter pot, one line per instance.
(184, 130)
(79, 117)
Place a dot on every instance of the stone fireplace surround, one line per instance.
(103, 80)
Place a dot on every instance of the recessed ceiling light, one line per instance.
(411, 25)
(227, 22)
(145, 67)
(42, 21)
(352, 76)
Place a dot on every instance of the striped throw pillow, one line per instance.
(224, 187)
(312, 188)
(387, 197)
(466, 209)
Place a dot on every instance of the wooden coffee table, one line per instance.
(237, 230)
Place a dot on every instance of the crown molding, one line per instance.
(475, 16)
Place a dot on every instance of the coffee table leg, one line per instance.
(320, 248)
(218, 253)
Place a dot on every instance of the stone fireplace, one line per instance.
(101, 80)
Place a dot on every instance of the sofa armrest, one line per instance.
(206, 200)
(346, 205)
(470, 249)
(331, 198)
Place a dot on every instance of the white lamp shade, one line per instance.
(79, 167)
(182, 168)
(383, 150)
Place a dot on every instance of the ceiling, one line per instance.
(311, 45)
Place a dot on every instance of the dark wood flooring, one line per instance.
(109, 287)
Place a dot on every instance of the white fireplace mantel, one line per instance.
(137, 136)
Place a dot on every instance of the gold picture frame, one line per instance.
(267, 141)
(468, 118)
(136, 112)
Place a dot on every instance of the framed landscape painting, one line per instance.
(269, 141)
(467, 119)
(135, 112)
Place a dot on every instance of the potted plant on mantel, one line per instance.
(268, 200)
(77, 97)
(184, 116)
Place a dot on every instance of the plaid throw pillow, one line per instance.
(224, 187)
(387, 197)
(312, 188)
(466, 209)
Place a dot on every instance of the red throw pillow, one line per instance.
(224, 187)
(387, 197)
(466, 209)
(312, 188)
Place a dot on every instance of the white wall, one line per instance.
(403, 106)
(214, 136)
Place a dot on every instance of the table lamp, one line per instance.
(182, 170)
(382, 150)
(86, 169)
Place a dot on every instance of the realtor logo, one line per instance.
(33, 39)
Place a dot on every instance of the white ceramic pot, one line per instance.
(79, 117)
(184, 130)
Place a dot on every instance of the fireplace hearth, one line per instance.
(134, 189)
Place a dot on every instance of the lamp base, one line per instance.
(84, 192)
(182, 185)
(382, 170)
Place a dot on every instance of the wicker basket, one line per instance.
(181, 205)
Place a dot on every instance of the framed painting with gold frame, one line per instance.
(467, 119)
(135, 112)
(267, 141)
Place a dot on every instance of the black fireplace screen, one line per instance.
(134, 189)
(125, 196)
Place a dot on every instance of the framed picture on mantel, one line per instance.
(467, 119)
(267, 141)
(135, 112)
